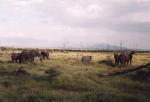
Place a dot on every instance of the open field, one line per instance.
(77, 82)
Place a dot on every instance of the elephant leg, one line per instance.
(41, 60)
(44, 57)
(124, 63)
(12, 61)
(118, 62)
(131, 61)
(127, 63)
(16, 60)
(121, 63)
(20, 61)
(32, 60)
(115, 61)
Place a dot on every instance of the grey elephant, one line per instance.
(28, 55)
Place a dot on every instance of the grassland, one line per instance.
(77, 83)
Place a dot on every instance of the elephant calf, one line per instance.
(86, 59)
(15, 57)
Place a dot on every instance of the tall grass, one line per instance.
(77, 82)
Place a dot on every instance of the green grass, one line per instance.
(77, 83)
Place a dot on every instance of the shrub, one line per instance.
(6, 84)
(52, 74)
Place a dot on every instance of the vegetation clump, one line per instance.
(52, 73)
(6, 84)
(21, 71)
(107, 62)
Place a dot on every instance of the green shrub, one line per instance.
(52, 74)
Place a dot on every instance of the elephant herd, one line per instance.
(120, 58)
(123, 58)
(29, 55)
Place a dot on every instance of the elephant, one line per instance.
(86, 59)
(28, 55)
(117, 58)
(124, 58)
(45, 54)
(131, 56)
(15, 57)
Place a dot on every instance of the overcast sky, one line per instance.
(50, 23)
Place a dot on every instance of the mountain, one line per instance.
(105, 47)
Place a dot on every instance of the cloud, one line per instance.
(130, 27)
(93, 21)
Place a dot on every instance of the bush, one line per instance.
(142, 74)
(52, 74)
(6, 84)
(107, 62)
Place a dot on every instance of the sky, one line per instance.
(74, 23)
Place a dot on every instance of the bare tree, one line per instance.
(81, 44)
(107, 47)
(65, 42)
(136, 46)
(121, 45)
